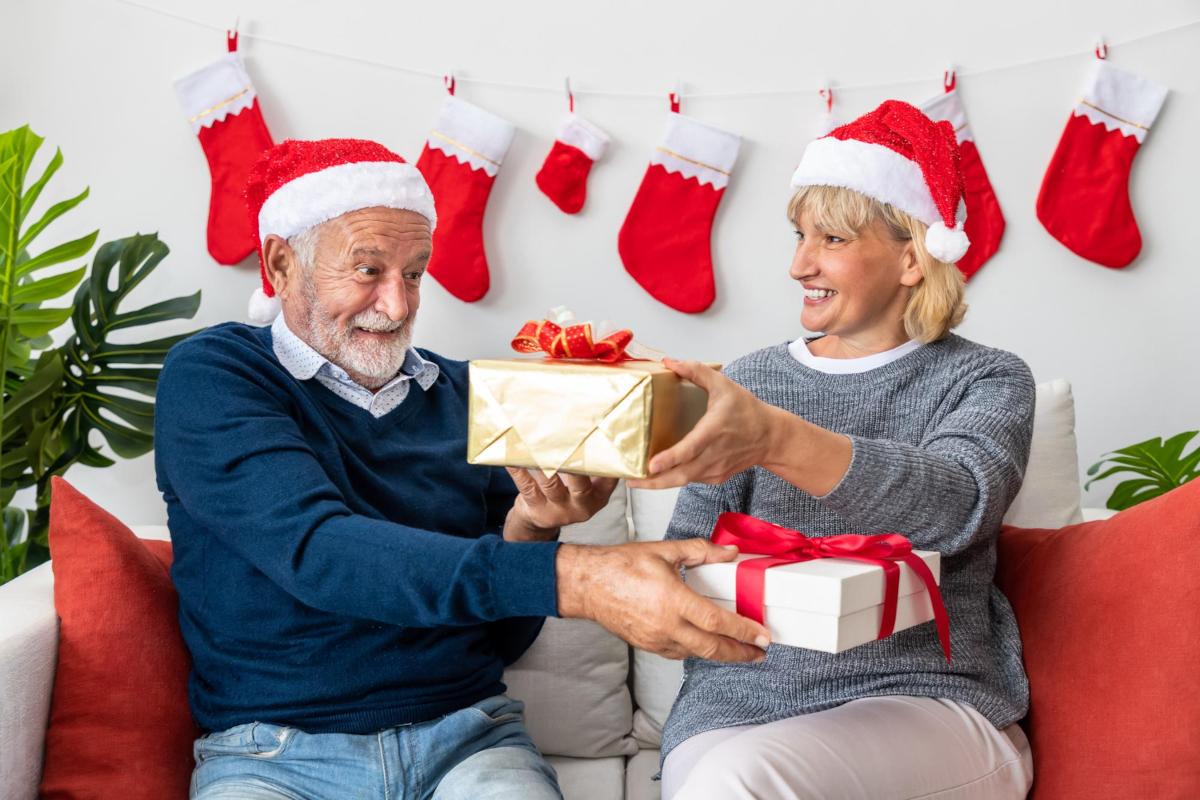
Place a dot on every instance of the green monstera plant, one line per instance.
(1161, 465)
(54, 397)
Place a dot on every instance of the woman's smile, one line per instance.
(815, 296)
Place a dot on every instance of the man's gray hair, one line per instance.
(304, 245)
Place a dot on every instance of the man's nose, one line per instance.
(391, 299)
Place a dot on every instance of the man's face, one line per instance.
(359, 296)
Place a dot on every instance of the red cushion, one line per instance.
(1109, 622)
(119, 719)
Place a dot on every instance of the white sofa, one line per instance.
(593, 706)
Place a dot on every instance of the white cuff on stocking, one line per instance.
(213, 92)
(1120, 100)
(471, 135)
(578, 132)
(947, 106)
(696, 150)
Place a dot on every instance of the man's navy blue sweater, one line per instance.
(336, 572)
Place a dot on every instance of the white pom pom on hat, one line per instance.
(263, 309)
(899, 156)
(946, 244)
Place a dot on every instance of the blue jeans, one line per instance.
(480, 752)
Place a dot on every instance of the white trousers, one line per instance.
(877, 748)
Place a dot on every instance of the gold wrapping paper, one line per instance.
(582, 417)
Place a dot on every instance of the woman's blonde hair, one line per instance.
(935, 305)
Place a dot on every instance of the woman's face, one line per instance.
(852, 284)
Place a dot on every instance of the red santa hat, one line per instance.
(899, 156)
(296, 185)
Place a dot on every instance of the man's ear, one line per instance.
(910, 268)
(281, 264)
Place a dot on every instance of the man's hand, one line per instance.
(736, 432)
(545, 504)
(634, 590)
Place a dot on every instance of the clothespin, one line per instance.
(231, 36)
(448, 81)
(676, 96)
(1101, 48)
(570, 96)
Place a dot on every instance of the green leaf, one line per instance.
(48, 288)
(1130, 493)
(57, 255)
(34, 322)
(176, 308)
(96, 367)
(47, 379)
(54, 212)
(35, 191)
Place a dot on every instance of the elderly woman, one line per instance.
(886, 423)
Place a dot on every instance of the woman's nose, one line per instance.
(804, 263)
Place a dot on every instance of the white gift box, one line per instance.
(827, 604)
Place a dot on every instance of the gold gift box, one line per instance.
(582, 417)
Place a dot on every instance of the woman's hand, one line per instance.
(739, 431)
(736, 432)
(545, 504)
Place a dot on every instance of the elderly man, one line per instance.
(350, 588)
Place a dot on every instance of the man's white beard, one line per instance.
(378, 361)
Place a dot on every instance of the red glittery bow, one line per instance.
(779, 545)
(571, 341)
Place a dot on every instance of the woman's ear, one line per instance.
(280, 263)
(910, 266)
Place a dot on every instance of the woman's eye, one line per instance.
(833, 239)
(799, 235)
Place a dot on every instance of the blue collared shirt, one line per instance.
(305, 363)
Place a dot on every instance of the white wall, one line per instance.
(95, 79)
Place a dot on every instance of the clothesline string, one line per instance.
(613, 93)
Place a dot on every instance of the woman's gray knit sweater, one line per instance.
(941, 439)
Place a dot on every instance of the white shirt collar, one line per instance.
(845, 366)
(304, 363)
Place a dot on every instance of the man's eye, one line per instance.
(365, 270)
(414, 276)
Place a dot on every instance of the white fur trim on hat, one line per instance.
(263, 309)
(319, 196)
(873, 170)
(946, 244)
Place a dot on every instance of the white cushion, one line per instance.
(590, 778)
(28, 658)
(1049, 497)
(655, 679)
(638, 773)
(574, 679)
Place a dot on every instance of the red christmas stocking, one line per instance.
(1084, 200)
(222, 107)
(460, 161)
(665, 242)
(985, 222)
(563, 176)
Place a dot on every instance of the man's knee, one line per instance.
(501, 773)
(241, 789)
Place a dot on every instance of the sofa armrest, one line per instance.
(28, 657)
